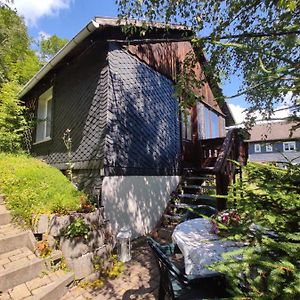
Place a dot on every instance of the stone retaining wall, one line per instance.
(79, 251)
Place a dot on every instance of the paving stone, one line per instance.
(4, 261)
(11, 253)
(5, 296)
(19, 292)
(38, 282)
(17, 263)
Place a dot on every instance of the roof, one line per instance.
(97, 24)
(273, 131)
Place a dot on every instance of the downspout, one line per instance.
(85, 32)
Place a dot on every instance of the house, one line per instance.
(274, 142)
(116, 94)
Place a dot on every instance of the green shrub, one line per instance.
(78, 228)
(32, 187)
(269, 268)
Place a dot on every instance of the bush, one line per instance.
(32, 187)
(269, 268)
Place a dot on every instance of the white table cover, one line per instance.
(199, 247)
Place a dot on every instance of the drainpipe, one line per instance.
(85, 32)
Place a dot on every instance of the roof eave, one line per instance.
(85, 32)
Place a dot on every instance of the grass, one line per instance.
(32, 187)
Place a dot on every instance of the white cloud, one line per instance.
(238, 112)
(32, 10)
(42, 35)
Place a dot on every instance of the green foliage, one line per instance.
(32, 188)
(78, 228)
(18, 63)
(17, 60)
(256, 40)
(268, 197)
(49, 46)
(12, 121)
(108, 268)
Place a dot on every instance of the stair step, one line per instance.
(195, 196)
(200, 178)
(46, 286)
(5, 216)
(182, 205)
(14, 238)
(198, 187)
(173, 217)
(22, 271)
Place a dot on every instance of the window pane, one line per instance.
(257, 148)
(269, 147)
(207, 123)
(200, 121)
(189, 128)
(215, 125)
(49, 116)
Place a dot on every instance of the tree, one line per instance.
(18, 63)
(259, 39)
(49, 46)
(12, 120)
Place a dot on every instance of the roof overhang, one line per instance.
(96, 23)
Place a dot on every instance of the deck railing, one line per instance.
(219, 157)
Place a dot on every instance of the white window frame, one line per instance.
(269, 148)
(289, 144)
(44, 117)
(257, 148)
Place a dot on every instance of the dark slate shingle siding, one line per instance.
(80, 105)
(143, 127)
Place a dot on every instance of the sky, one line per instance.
(66, 18)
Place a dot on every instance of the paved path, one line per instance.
(139, 280)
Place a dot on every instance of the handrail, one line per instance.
(225, 168)
(224, 151)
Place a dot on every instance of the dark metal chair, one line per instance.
(180, 286)
(198, 211)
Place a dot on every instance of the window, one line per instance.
(186, 126)
(44, 117)
(257, 148)
(269, 148)
(289, 146)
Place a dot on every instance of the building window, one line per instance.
(289, 146)
(257, 148)
(269, 148)
(44, 117)
(186, 127)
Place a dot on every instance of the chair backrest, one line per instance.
(168, 271)
(197, 211)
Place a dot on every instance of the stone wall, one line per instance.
(78, 252)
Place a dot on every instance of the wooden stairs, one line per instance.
(217, 164)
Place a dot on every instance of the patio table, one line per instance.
(199, 247)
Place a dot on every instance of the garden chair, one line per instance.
(178, 285)
(197, 211)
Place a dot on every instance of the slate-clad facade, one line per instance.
(115, 106)
(143, 125)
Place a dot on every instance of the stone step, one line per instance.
(21, 271)
(5, 217)
(12, 238)
(46, 286)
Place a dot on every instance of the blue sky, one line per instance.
(67, 17)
